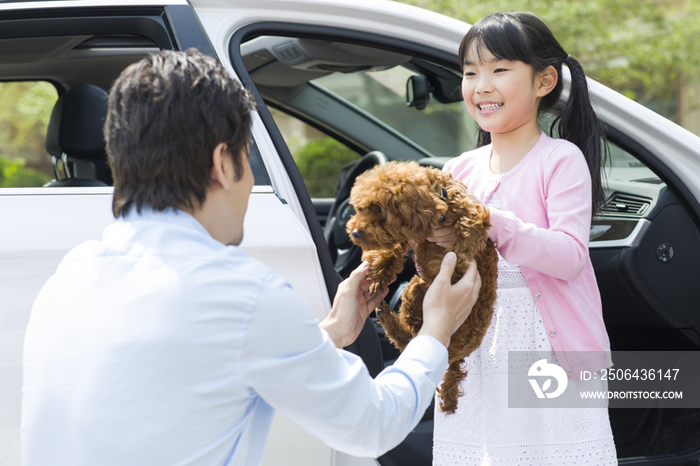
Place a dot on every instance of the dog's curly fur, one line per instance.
(402, 201)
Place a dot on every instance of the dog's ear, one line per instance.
(441, 207)
(476, 221)
(439, 182)
(484, 216)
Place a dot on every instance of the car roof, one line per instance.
(30, 4)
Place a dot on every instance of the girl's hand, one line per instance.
(470, 195)
(473, 199)
(443, 237)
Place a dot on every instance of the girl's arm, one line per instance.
(561, 248)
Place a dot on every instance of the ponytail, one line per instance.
(578, 123)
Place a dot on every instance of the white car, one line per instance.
(337, 71)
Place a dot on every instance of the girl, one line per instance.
(541, 193)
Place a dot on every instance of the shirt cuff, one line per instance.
(429, 352)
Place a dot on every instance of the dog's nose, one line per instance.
(357, 234)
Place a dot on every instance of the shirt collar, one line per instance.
(169, 215)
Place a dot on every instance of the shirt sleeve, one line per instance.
(561, 248)
(295, 367)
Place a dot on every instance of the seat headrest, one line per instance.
(76, 124)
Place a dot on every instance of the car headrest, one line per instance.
(75, 127)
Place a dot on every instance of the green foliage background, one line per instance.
(644, 49)
(319, 161)
(24, 115)
(14, 174)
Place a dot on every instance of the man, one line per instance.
(164, 344)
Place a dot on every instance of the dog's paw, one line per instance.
(376, 287)
(379, 280)
(382, 310)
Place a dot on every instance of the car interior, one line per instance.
(75, 134)
(388, 103)
(82, 69)
(375, 101)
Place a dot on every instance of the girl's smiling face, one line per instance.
(502, 95)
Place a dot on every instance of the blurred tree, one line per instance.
(319, 162)
(25, 109)
(13, 174)
(645, 49)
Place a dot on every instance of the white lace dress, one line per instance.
(484, 431)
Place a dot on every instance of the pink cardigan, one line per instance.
(544, 227)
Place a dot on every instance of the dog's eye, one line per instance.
(379, 210)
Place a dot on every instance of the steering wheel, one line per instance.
(346, 256)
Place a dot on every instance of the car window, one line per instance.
(626, 167)
(318, 156)
(75, 71)
(25, 109)
(442, 129)
(358, 94)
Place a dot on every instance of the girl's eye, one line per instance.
(500, 70)
(469, 73)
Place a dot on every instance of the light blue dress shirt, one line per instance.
(158, 345)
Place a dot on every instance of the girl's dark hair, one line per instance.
(517, 36)
(166, 114)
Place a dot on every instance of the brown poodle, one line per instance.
(402, 201)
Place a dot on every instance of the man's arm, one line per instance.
(297, 369)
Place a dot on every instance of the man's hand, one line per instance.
(351, 306)
(447, 306)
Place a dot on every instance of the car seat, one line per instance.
(75, 137)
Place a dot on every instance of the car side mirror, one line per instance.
(417, 92)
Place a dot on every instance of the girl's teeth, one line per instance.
(490, 106)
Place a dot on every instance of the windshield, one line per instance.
(442, 130)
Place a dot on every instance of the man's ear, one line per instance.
(547, 79)
(221, 166)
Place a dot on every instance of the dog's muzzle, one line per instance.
(357, 234)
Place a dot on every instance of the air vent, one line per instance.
(625, 205)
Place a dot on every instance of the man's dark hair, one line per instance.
(166, 115)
